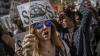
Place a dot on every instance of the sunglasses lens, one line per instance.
(38, 25)
(48, 23)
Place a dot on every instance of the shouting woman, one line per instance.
(44, 41)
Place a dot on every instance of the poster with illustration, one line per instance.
(35, 11)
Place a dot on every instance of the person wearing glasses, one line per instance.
(44, 41)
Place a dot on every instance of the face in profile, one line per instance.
(66, 22)
(43, 30)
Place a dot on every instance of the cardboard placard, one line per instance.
(18, 39)
(93, 3)
(36, 11)
(6, 22)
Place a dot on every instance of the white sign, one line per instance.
(79, 1)
(6, 22)
(93, 3)
(38, 10)
(18, 39)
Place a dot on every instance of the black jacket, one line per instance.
(82, 37)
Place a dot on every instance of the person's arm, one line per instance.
(81, 36)
(29, 44)
(86, 17)
(9, 41)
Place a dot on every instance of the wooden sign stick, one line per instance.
(29, 17)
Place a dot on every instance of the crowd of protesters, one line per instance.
(80, 29)
(76, 32)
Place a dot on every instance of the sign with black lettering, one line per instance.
(6, 22)
(18, 40)
(36, 11)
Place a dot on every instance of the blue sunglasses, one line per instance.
(47, 23)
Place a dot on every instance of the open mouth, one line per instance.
(46, 33)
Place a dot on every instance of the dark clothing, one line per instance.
(67, 36)
(2, 50)
(97, 31)
(98, 49)
(5, 50)
(4, 7)
(82, 37)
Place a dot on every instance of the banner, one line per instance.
(36, 11)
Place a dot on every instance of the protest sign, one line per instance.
(35, 11)
(18, 39)
(93, 2)
(79, 1)
(6, 22)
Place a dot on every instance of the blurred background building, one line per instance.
(4, 7)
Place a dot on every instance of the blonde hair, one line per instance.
(56, 40)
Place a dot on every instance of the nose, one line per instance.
(62, 22)
(44, 28)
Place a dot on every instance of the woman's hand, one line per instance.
(28, 44)
(19, 52)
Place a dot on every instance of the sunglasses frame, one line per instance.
(47, 23)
